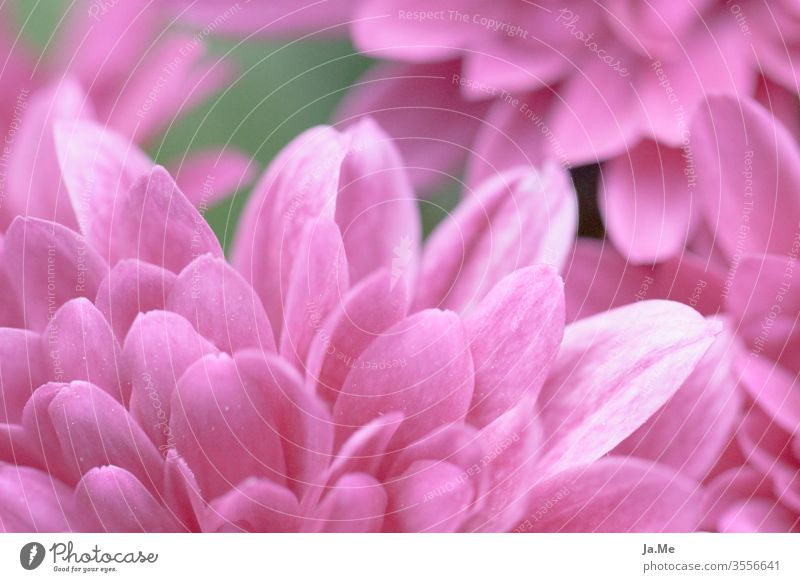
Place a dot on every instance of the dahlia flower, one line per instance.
(115, 63)
(339, 375)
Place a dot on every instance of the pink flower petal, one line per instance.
(431, 496)
(255, 505)
(365, 312)
(355, 504)
(33, 501)
(517, 219)
(514, 335)
(738, 145)
(420, 367)
(157, 351)
(614, 495)
(365, 451)
(161, 226)
(130, 288)
(613, 372)
(48, 265)
(758, 515)
(115, 501)
(23, 368)
(94, 430)
(647, 202)
(222, 426)
(81, 346)
(730, 488)
(98, 167)
(421, 107)
(376, 208)
(317, 284)
(221, 305)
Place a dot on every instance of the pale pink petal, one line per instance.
(221, 305)
(614, 495)
(514, 334)
(365, 312)
(775, 389)
(209, 176)
(254, 505)
(130, 288)
(157, 351)
(648, 202)
(431, 496)
(376, 208)
(519, 218)
(420, 367)
(222, 426)
(298, 187)
(161, 226)
(317, 285)
(98, 167)
(758, 515)
(48, 265)
(23, 368)
(355, 504)
(749, 165)
(693, 428)
(113, 500)
(34, 502)
(81, 346)
(613, 372)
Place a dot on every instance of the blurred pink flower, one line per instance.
(115, 63)
(147, 386)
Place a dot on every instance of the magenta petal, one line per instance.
(115, 501)
(157, 351)
(516, 219)
(211, 175)
(647, 202)
(95, 430)
(221, 306)
(365, 312)
(34, 502)
(23, 368)
(614, 495)
(514, 334)
(301, 418)
(254, 505)
(98, 167)
(221, 424)
(81, 346)
(48, 265)
(355, 504)
(458, 444)
(160, 226)
(317, 284)
(365, 450)
(130, 288)
(775, 389)
(420, 367)
(376, 208)
(41, 434)
(738, 144)
(731, 488)
(431, 496)
(613, 372)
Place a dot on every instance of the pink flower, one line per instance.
(148, 386)
(111, 62)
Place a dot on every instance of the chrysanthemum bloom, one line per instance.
(741, 265)
(114, 62)
(354, 384)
